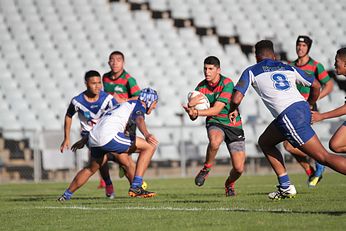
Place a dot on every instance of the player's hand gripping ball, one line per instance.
(202, 104)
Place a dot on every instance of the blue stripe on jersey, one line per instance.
(268, 65)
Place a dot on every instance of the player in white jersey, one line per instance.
(111, 135)
(89, 105)
(275, 83)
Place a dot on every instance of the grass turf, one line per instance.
(180, 205)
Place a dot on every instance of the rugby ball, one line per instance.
(203, 104)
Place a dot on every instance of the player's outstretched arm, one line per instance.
(150, 138)
(340, 111)
(213, 111)
(67, 128)
(79, 144)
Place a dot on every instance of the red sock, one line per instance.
(309, 171)
(208, 165)
(229, 183)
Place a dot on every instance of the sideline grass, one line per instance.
(180, 205)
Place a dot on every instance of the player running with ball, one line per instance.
(218, 89)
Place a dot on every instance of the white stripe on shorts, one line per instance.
(291, 129)
(122, 140)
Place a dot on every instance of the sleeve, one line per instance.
(322, 74)
(226, 94)
(71, 110)
(244, 82)
(139, 110)
(303, 78)
(133, 87)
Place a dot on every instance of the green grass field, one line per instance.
(180, 205)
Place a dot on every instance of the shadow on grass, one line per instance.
(330, 213)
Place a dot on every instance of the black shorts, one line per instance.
(232, 134)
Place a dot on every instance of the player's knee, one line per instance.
(239, 169)
(214, 144)
(334, 147)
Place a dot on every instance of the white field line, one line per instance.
(168, 209)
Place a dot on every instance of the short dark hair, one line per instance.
(341, 52)
(304, 39)
(117, 53)
(263, 47)
(90, 74)
(212, 60)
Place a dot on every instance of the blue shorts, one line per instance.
(344, 123)
(119, 144)
(294, 123)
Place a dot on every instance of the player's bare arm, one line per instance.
(237, 97)
(314, 92)
(150, 138)
(326, 89)
(191, 111)
(340, 111)
(80, 143)
(213, 111)
(67, 128)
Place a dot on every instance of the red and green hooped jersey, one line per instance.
(125, 86)
(315, 69)
(221, 92)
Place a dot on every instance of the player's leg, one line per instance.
(338, 141)
(83, 176)
(237, 150)
(146, 151)
(104, 172)
(126, 163)
(301, 158)
(267, 142)
(315, 149)
(216, 136)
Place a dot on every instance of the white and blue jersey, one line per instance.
(90, 112)
(275, 82)
(108, 135)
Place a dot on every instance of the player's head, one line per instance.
(303, 45)
(340, 62)
(150, 98)
(93, 82)
(116, 61)
(264, 49)
(212, 69)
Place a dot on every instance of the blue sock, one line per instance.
(137, 182)
(319, 169)
(68, 194)
(108, 181)
(284, 181)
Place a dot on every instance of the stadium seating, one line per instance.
(46, 46)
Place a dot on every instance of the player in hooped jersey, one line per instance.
(275, 83)
(111, 135)
(338, 142)
(316, 69)
(118, 82)
(89, 105)
(218, 89)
